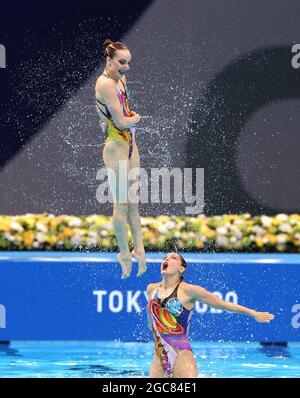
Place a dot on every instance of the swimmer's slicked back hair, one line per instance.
(110, 47)
(183, 264)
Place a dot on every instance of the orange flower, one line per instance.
(67, 232)
(271, 239)
(28, 238)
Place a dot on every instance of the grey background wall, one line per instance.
(214, 81)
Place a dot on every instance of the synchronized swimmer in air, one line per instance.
(118, 123)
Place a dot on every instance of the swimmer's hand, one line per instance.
(136, 116)
(263, 317)
(103, 125)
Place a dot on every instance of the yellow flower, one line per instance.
(28, 238)
(259, 242)
(30, 222)
(68, 232)
(271, 239)
(52, 239)
(199, 243)
(280, 248)
(54, 223)
(208, 232)
(276, 222)
(295, 217)
(101, 220)
(147, 234)
(105, 243)
(4, 225)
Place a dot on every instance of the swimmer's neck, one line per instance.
(109, 76)
(169, 282)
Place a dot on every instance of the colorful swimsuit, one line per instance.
(170, 326)
(113, 133)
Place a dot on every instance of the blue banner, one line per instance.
(80, 296)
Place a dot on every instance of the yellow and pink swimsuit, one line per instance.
(112, 132)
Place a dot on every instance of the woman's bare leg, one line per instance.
(185, 365)
(156, 369)
(120, 214)
(134, 219)
(136, 231)
(113, 153)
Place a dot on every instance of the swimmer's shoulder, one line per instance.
(188, 288)
(151, 287)
(185, 285)
(104, 85)
(103, 81)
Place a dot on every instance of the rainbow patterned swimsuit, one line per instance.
(170, 327)
(113, 133)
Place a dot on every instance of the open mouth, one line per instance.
(165, 265)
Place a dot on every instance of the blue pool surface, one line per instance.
(58, 359)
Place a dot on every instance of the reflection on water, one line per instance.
(275, 350)
(104, 371)
(7, 350)
(122, 359)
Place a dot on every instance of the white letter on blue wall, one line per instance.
(132, 301)
(99, 294)
(2, 317)
(119, 301)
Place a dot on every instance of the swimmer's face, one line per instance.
(171, 265)
(119, 64)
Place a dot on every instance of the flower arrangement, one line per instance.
(228, 232)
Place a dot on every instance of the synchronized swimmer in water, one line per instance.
(170, 308)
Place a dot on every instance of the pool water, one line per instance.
(118, 359)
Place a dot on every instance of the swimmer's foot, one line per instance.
(125, 261)
(141, 257)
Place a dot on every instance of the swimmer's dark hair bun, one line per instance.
(107, 43)
(111, 50)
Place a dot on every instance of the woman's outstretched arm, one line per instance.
(200, 294)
